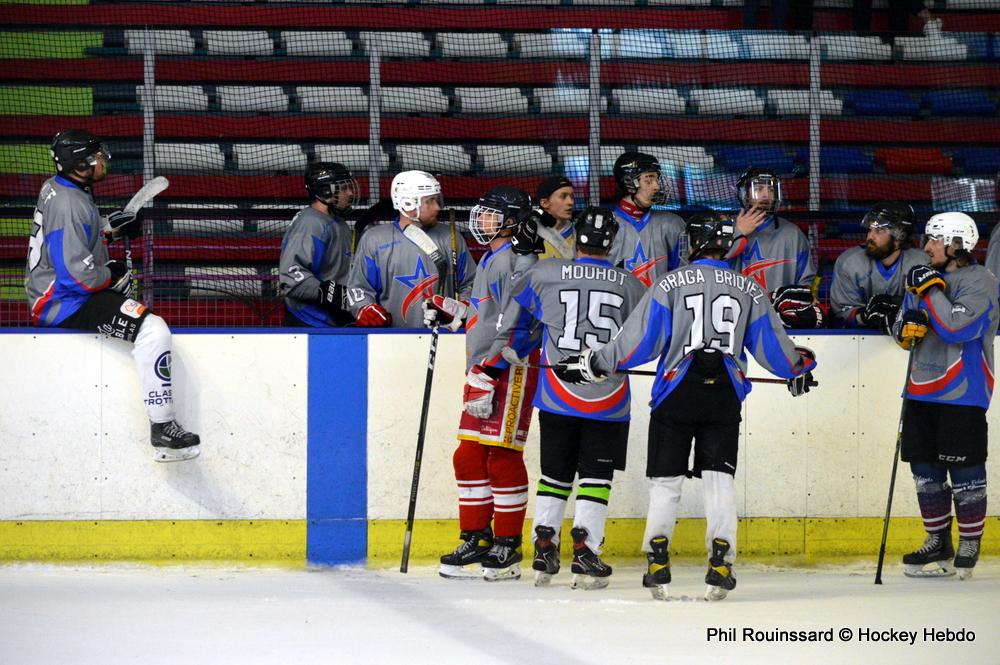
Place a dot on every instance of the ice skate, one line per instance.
(546, 562)
(967, 556)
(464, 562)
(933, 559)
(657, 577)
(589, 572)
(719, 578)
(503, 561)
(171, 443)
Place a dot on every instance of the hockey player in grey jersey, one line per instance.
(993, 247)
(776, 253)
(650, 242)
(489, 461)
(70, 282)
(583, 429)
(398, 266)
(949, 319)
(316, 250)
(868, 281)
(698, 321)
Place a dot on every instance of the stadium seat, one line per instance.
(713, 44)
(881, 102)
(738, 158)
(680, 156)
(854, 47)
(727, 101)
(238, 42)
(565, 100)
(680, 3)
(492, 100)
(650, 101)
(396, 44)
(959, 102)
(772, 45)
(414, 100)
(188, 157)
(443, 158)
(839, 160)
(520, 159)
(324, 99)
(472, 45)
(166, 42)
(633, 44)
(269, 157)
(914, 160)
(175, 97)
(309, 43)
(978, 160)
(355, 157)
(571, 44)
(798, 102)
(575, 158)
(933, 49)
(244, 98)
(46, 100)
(222, 281)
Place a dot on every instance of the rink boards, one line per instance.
(308, 451)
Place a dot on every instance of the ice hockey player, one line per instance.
(70, 282)
(868, 281)
(316, 250)
(948, 321)
(697, 321)
(583, 430)
(489, 461)
(650, 241)
(397, 266)
(555, 199)
(776, 253)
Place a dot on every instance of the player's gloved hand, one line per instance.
(547, 220)
(477, 396)
(577, 369)
(880, 312)
(920, 279)
(525, 239)
(796, 307)
(799, 385)
(125, 224)
(447, 312)
(911, 328)
(373, 316)
(121, 278)
(331, 295)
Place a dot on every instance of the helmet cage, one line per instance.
(761, 191)
(486, 222)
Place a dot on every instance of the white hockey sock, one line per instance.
(549, 511)
(720, 510)
(664, 498)
(152, 358)
(592, 509)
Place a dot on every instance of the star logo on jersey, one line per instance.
(642, 267)
(421, 286)
(756, 266)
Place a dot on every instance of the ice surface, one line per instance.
(139, 614)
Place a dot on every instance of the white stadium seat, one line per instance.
(328, 43)
(576, 156)
(472, 45)
(324, 99)
(565, 100)
(773, 45)
(166, 42)
(238, 42)
(223, 281)
(851, 47)
(174, 97)
(492, 100)
(727, 101)
(649, 101)
(797, 102)
(396, 44)
(414, 100)
(515, 159)
(450, 158)
(355, 157)
(551, 45)
(938, 48)
(678, 156)
(196, 157)
(246, 98)
(269, 157)
(633, 44)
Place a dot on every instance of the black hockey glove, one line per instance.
(331, 296)
(121, 278)
(547, 220)
(125, 224)
(880, 312)
(577, 369)
(525, 239)
(800, 384)
(920, 279)
(796, 308)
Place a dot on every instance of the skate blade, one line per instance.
(714, 593)
(660, 591)
(542, 578)
(166, 455)
(943, 569)
(965, 573)
(461, 572)
(502, 574)
(588, 583)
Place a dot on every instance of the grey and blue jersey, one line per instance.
(650, 245)
(776, 254)
(704, 305)
(490, 292)
(316, 248)
(856, 278)
(66, 252)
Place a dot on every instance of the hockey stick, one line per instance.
(404, 565)
(895, 464)
(454, 255)
(136, 203)
(511, 356)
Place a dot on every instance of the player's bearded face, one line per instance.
(935, 250)
(879, 244)
(430, 206)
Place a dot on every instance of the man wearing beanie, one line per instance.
(555, 196)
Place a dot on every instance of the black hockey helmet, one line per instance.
(629, 166)
(326, 180)
(74, 149)
(708, 230)
(596, 228)
(759, 188)
(500, 208)
(896, 216)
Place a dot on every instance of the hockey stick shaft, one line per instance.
(128, 267)
(415, 482)
(645, 372)
(895, 465)
(454, 256)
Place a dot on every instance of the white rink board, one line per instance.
(826, 454)
(75, 437)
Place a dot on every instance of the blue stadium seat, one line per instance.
(881, 102)
(737, 158)
(978, 160)
(959, 102)
(839, 160)
(978, 44)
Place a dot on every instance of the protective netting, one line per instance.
(232, 101)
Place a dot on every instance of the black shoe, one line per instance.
(719, 578)
(503, 560)
(172, 443)
(474, 548)
(657, 575)
(546, 561)
(589, 572)
(967, 557)
(936, 552)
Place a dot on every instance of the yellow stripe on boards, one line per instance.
(249, 541)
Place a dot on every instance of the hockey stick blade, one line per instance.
(146, 194)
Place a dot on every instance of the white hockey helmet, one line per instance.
(410, 188)
(949, 226)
